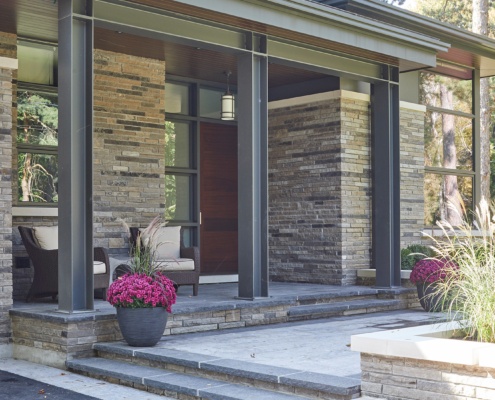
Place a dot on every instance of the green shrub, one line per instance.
(468, 291)
(413, 253)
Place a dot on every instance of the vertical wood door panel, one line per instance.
(218, 191)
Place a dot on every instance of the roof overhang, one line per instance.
(314, 24)
(468, 50)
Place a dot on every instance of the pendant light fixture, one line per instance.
(228, 102)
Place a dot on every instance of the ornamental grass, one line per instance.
(468, 288)
(144, 286)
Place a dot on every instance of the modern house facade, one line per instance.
(321, 173)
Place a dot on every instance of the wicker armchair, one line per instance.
(179, 277)
(45, 263)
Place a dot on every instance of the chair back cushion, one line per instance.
(167, 240)
(46, 237)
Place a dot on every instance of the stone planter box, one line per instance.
(424, 363)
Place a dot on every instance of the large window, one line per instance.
(449, 173)
(37, 124)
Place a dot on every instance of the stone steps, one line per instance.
(218, 374)
(340, 308)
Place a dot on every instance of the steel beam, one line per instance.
(252, 133)
(151, 22)
(323, 62)
(75, 257)
(386, 179)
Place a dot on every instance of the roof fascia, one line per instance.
(315, 19)
(457, 37)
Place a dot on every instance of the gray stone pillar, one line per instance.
(7, 66)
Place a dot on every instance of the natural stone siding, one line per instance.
(5, 203)
(397, 378)
(8, 48)
(319, 178)
(320, 187)
(412, 170)
(129, 143)
(52, 340)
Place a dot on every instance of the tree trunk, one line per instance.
(452, 199)
(480, 25)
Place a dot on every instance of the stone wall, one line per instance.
(7, 80)
(129, 143)
(397, 378)
(319, 188)
(5, 203)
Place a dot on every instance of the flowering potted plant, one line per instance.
(143, 296)
(425, 274)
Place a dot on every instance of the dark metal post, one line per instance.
(253, 175)
(385, 126)
(476, 137)
(75, 209)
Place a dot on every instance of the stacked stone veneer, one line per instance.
(320, 186)
(319, 190)
(7, 80)
(397, 378)
(129, 145)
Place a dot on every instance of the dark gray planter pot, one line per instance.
(430, 301)
(142, 327)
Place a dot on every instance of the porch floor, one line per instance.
(223, 296)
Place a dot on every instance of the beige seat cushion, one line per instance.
(46, 237)
(179, 264)
(167, 240)
(99, 267)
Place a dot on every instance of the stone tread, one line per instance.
(330, 384)
(190, 385)
(316, 310)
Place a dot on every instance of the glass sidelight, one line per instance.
(187, 105)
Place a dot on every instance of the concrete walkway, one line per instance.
(316, 346)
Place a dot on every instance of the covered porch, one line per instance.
(304, 187)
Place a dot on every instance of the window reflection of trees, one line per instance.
(448, 146)
(37, 141)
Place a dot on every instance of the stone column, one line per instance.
(7, 66)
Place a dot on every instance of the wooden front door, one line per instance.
(218, 191)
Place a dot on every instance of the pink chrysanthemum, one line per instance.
(140, 290)
(429, 271)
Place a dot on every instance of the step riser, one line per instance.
(331, 300)
(144, 388)
(273, 386)
(330, 314)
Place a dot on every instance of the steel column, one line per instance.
(252, 85)
(476, 137)
(385, 126)
(75, 275)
